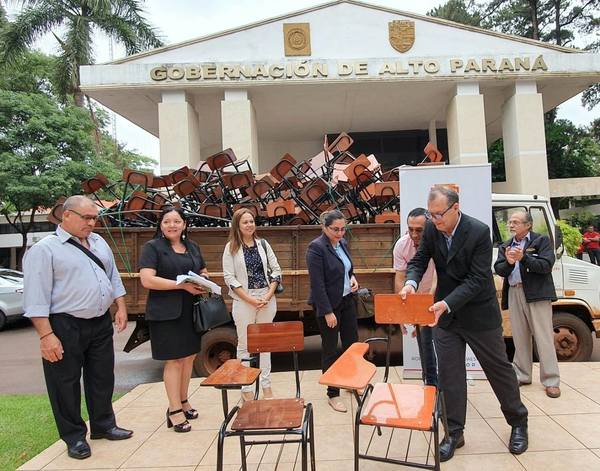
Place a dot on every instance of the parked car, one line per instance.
(11, 295)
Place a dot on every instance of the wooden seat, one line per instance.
(287, 417)
(400, 406)
(406, 406)
(270, 414)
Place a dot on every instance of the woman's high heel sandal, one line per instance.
(182, 427)
(190, 414)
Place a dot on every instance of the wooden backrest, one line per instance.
(276, 337)
(392, 309)
(91, 185)
(221, 159)
(179, 174)
(432, 153)
(283, 167)
(135, 177)
(341, 143)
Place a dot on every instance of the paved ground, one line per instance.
(21, 368)
(564, 433)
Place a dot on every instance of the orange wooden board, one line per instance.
(392, 309)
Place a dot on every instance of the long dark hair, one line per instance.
(166, 210)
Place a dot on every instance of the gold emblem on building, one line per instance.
(402, 34)
(296, 39)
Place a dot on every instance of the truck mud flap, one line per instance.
(140, 334)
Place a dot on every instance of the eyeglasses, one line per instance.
(438, 216)
(86, 218)
(337, 230)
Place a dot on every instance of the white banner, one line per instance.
(475, 190)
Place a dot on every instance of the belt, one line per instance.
(517, 285)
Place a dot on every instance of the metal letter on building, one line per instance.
(402, 34)
(296, 39)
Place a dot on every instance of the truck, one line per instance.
(576, 312)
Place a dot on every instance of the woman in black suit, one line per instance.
(332, 284)
(169, 309)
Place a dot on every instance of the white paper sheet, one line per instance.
(192, 277)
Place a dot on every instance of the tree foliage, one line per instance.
(458, 11)
(120, 20)
(45, 151)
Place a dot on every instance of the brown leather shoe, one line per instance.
(553, 391)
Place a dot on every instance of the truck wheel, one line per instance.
(218, 346)
(572, 338)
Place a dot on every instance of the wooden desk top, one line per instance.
(232, 373)
(350, 370)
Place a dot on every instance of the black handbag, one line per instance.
(210, 312)
(280, 287)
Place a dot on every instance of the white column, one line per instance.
(179, 132)
(238, 126)
(433, 132)
(465, 122)
(524, 139)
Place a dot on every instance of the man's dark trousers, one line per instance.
(347, 328)
(87, 344)
(488, 346)
(427, 355)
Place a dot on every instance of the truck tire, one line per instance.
(572, 337)
(218, 346)
(2, 320)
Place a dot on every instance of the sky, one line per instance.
(180, 20)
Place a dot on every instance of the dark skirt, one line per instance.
(176, 338)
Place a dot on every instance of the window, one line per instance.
(502, 214)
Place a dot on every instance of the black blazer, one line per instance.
(165, 305)
(464, 275)
(326, 274)
(535, 267)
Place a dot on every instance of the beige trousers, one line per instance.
(243, 315)
(529, 320)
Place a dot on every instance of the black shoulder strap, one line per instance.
(89, 253)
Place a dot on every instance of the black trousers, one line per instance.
(347, 328)
(488, 346)
(594, 255)
(88, 346)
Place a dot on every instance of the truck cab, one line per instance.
(576, 313)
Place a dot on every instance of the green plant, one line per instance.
(571, 237)
(582, 219)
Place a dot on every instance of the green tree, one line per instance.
(120, 20)
(458, 11)
(45, 151)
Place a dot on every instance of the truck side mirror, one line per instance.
(558, 242)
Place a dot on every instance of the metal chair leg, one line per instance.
(311, 426)
(243, 451)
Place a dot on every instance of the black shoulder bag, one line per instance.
(280, 287)
(210, 312)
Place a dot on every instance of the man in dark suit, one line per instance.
(525, 261)
(466, 313)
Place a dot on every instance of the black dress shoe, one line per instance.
(115, 433)
(80, 450)
(519, 440)
(450, 444)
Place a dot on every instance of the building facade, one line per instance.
(393, 80)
